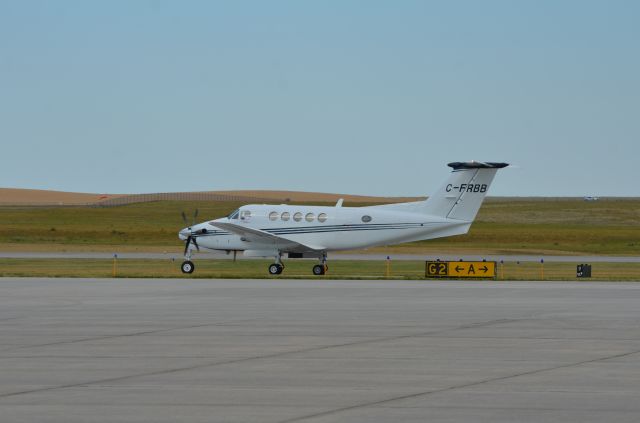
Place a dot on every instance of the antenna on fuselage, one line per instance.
(339, 203)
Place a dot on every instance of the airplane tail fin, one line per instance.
(462, 194)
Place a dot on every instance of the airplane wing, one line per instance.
(263, 237)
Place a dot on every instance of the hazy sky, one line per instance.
(360, 97)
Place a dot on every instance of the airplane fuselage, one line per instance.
(325, 228)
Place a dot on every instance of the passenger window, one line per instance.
(366, 219)
(309, 217)
(273, 215)
(322, 217)
(297, 217)
(285, 216)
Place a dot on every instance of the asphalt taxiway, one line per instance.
(145, 350)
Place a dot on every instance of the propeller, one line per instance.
(193, 220)
(190, 239)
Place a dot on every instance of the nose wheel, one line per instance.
(187, 266)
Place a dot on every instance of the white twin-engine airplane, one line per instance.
(312, 231)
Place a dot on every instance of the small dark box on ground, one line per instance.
(583, 271)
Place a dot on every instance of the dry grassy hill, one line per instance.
(38, 197)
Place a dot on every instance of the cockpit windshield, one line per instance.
(234, 215)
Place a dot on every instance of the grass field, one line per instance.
(129, 268)
(531, 226)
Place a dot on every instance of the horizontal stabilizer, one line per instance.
(477, 165)
(462, 194)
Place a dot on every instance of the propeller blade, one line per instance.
(186, 245)
(193, 239)
(195, 216)
(190, 238)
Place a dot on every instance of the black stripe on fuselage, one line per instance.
(330, 228)
(211, 233)
(337, 230)
(356, 227)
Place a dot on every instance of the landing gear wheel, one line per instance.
(187, 266)
(318, 269)
(275, 269)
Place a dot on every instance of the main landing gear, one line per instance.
(322, 268)
(277, 267)
(318, 270)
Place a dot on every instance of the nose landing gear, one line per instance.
(187, 266)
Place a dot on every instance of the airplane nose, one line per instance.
(184, 234)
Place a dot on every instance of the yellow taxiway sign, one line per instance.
(460, 269)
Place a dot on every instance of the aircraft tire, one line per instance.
(318, 270)
(275, 269)
(187, 266)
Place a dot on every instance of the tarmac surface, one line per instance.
(145, 350)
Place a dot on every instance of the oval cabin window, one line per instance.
(366, 218)
(322, 217)
(285, 216)
(273, 215)
(309, 217)
(297, 217)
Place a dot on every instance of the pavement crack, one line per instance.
(124, 335)
(455, 387)
(245, 359)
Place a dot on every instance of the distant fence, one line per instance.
(181, 196)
